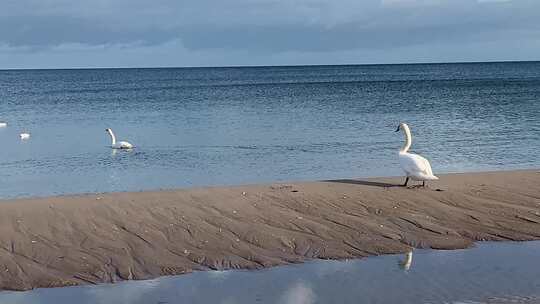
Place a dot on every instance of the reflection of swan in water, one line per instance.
(406, 264)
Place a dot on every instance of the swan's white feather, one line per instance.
(120, 144)
(123, 145)
(416, 167)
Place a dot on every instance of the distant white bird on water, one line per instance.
(24, 135)
(415, 166)
(120, 144)
(3, 124)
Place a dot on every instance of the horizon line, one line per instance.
(266, 66)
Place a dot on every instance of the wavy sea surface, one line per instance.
(221, 126)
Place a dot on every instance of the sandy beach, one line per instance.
(73, 240)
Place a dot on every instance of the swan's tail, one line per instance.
(432, 177)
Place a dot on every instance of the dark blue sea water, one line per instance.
(219, 126)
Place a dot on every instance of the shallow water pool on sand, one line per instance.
(489, 273)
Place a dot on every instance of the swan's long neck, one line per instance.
(408, 139)
(113, 138)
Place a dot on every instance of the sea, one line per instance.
(195, 127)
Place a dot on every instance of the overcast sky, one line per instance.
(143, 33)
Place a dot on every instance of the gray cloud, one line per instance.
(260, 29)
(50, 31)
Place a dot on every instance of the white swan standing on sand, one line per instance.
(120, 144)
(415, 166)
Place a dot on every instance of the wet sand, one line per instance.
(489, 273)
(72, 240)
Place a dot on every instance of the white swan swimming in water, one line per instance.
(415, 166)
(24, 135)
(3, 124)
(120, 144)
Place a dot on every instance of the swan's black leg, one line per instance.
(406, 181)
(424, 184)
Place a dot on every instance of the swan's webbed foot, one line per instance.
(418, 186)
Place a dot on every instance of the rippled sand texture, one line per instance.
(72, 240)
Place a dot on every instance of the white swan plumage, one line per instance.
(415, 166)
(120, 144)
(3, 124)
(24, 135)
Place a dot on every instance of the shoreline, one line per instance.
(395, 178)
(109, 237)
